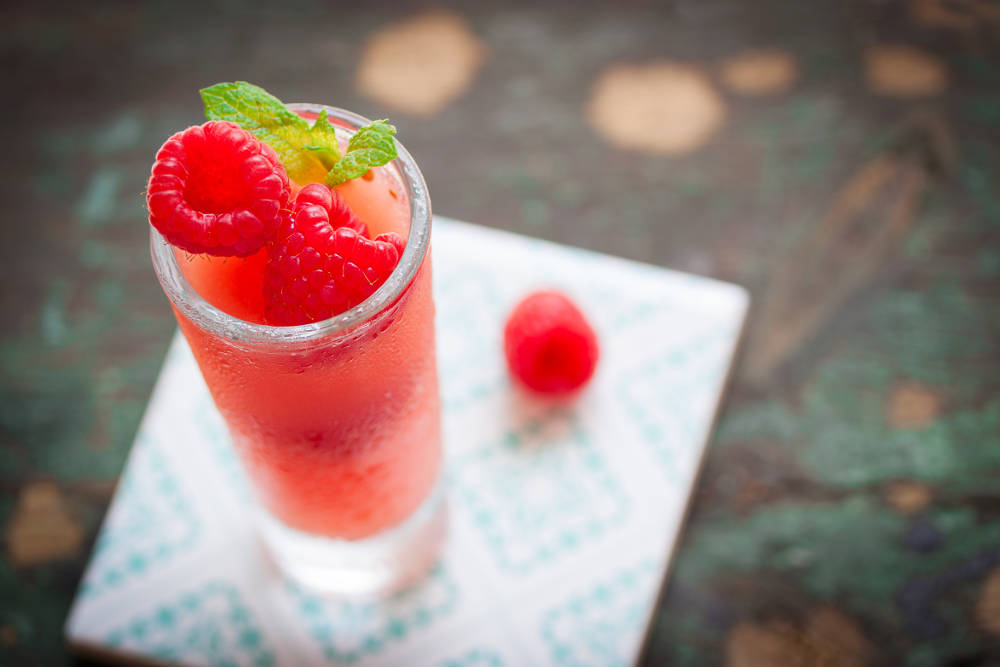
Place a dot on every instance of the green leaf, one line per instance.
(324, 132)
(327, 152)
(371, 146)
(306, 152)
(327, 156)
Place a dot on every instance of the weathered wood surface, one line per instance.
(841, 159)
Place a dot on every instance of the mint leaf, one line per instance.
(325, 132)
(310, 154)
(371, 146)
(326, 156)
(306, 152)
(327, 152)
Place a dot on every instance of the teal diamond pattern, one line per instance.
(538, 493)
(467, 336)
(213, 429)
(601, 626)
(347, 630)
(617, 314)
(151, 522)
(660, 396)
(477, 657)
(212, 626)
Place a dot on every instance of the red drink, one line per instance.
(337, 423)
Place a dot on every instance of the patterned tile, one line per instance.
(538, 493)
(217, 441)
(477, 657)
(533, 489)
(662, 395)
(212, 626)
(347, 631)
(150, 522)
(600, 627)
(466, 336)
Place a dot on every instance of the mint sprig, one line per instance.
(310, 154)
(371, 146)
(327, 152)
(256, 110)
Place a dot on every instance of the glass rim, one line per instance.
(195, 308)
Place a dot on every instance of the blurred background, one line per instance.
(839, 159)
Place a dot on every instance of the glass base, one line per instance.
(378, 565)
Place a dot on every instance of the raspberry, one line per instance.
(322, 262)
(336, 208)
(549, 345)
(217, 189)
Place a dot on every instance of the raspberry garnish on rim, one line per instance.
(335, 211)
(217, 189)
(322, 262)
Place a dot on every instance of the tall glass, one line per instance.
(337, 423)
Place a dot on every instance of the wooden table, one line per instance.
(839, 159)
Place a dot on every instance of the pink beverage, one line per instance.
(336, 422)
